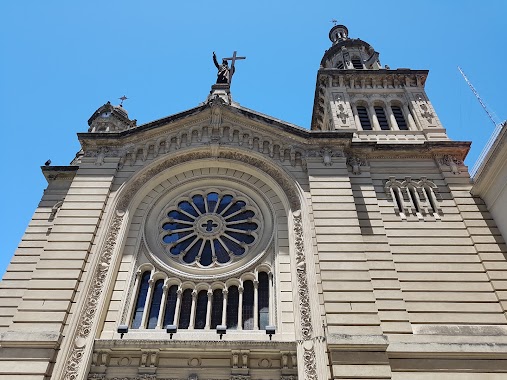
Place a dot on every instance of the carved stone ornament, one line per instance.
(452, 162)
(216, 105)
(342, 114)
(90, 307)
(288, 377)
(304, 300)
(240, 377)
(355, 164)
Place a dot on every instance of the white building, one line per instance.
(356, 244)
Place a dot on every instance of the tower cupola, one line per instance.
(349, 53)
(338, 33)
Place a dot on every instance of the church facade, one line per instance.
(220, 243)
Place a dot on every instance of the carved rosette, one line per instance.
(304, 299)
(90, 306)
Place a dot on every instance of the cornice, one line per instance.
(179, 344)
(52, 173)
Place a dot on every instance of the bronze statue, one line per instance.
(225, 73)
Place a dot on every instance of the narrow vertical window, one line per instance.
(156, 301)
(248, 305)
(170, 306)
(141, 300)
(362, 112)
(216, 308)
(186, 306)
(232, 308)
(356, 62)
(381, 117)
(200, 309)
(400, 119)
(263, 301)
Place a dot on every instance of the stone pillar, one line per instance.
(177, 307)
(192, 310)
(374, 120)
(224, 308)
(256, 305)
(162, 307)
(208, 309)
(392, 120)
(411, 123)
(240, 308)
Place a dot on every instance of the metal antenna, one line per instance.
(491, 116)
(494, 119)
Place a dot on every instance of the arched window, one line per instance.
(232, 308)
(381, 117)
(200, 309)
(400, 119)
(170, 306)
(339, 65)
(141, 300)
(186, 307)
(156, 301)
(248, 305)
(357, 63)
(362, 112)
(216, 308)
(263, 302)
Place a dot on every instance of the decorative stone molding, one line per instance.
(88, 313)
(310, 365)
(355, 164)
(452, 162)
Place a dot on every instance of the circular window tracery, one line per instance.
(210, 229)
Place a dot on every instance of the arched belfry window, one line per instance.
(364, 118)
(339, 65)
(141, 300)
(400, 119)
(357, 63)
(381, 117)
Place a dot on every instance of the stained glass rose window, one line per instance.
(209, 229)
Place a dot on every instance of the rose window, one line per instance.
(210, 229)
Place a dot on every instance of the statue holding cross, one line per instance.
(225, 73)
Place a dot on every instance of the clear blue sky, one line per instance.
(61, 60)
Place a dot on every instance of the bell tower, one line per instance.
(354, 93)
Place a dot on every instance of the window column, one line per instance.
(177, 308)
(411, 122)
(391, 118)
(147, 303)
(374, 119)
(271, 299)
(192, 309)
(224, 308)
(208, 309)
(356, 116)
(256, 304)
(240, 308)
(160, 320)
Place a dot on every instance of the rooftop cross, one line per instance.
(233, 60)
(334, 21)
(123, 98)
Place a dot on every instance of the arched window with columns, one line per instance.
(163, 303)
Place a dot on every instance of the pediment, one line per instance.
(213, 125)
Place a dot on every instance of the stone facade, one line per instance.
(357, 243)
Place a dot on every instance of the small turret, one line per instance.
(109, 118)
